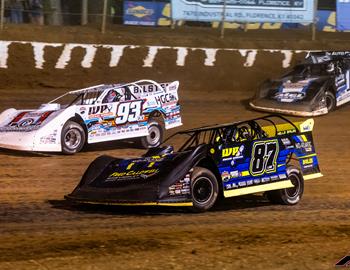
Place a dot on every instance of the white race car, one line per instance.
(95, 114)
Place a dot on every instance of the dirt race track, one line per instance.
(39, 230)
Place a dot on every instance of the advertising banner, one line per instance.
(284, 11)
(326, 20)
(343, 15)
(143, 13)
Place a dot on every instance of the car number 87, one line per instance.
(128, 112)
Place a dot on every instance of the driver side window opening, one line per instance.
(112, 96)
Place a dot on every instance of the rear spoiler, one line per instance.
(286, 128)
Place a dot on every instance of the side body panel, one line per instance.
(128, 118)
(253, 166)
(35, 130)
(342, 86)
(260, 165)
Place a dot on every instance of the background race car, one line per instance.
(95, 114)
(231, 160)
(312, 88)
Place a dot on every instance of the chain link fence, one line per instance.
(103, 13)
(62, 12)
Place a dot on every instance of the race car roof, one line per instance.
(268, 118)
(327, 56)
(95, 88)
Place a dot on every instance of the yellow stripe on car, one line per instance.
(312, 176)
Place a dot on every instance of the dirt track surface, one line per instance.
(39, 230)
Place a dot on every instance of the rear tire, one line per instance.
(72, 138)
(204, 189)
(155, 136)
(330, 101)
(289, 196)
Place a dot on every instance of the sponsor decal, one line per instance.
(29, 120)
(250, 182)
(284, 132)
(282, 176)
(225, 176)
(165, 98)
(139, 11)
(265, 179)
(242, 184)
(99, 109)
(182, 187)
(49, 139)
(235, 174)
(257, 181)
(307, 146)
(252, 3)
(232, 153)
(148, 88)
(147, 172)
(82, 110)
(287, 143)
(308, 161)
(289, 96)
(274, 177)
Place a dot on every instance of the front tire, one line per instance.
(72, 138)
(204, 189)
(330, 101)
(155, 135)
(289, 196)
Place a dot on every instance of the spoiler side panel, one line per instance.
(306, 154)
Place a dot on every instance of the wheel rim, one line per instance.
(72, 138)
(154, 135)
(202, 190)
(293, 191)
(329, 102)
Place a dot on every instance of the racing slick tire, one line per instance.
(72, 138)
(204, 189)
(289, 196)
(330, 100)
(155, 137)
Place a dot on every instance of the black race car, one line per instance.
(315, 87)
(231, 160)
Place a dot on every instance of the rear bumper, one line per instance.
(300, 109)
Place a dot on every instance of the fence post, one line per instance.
(223, 20)
(104, 17)
(84, 12)
(315, 20)
(2, 14)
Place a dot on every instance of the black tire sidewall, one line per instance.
(286, 198)
(198, 173)
(67, 127)
(329, 95)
